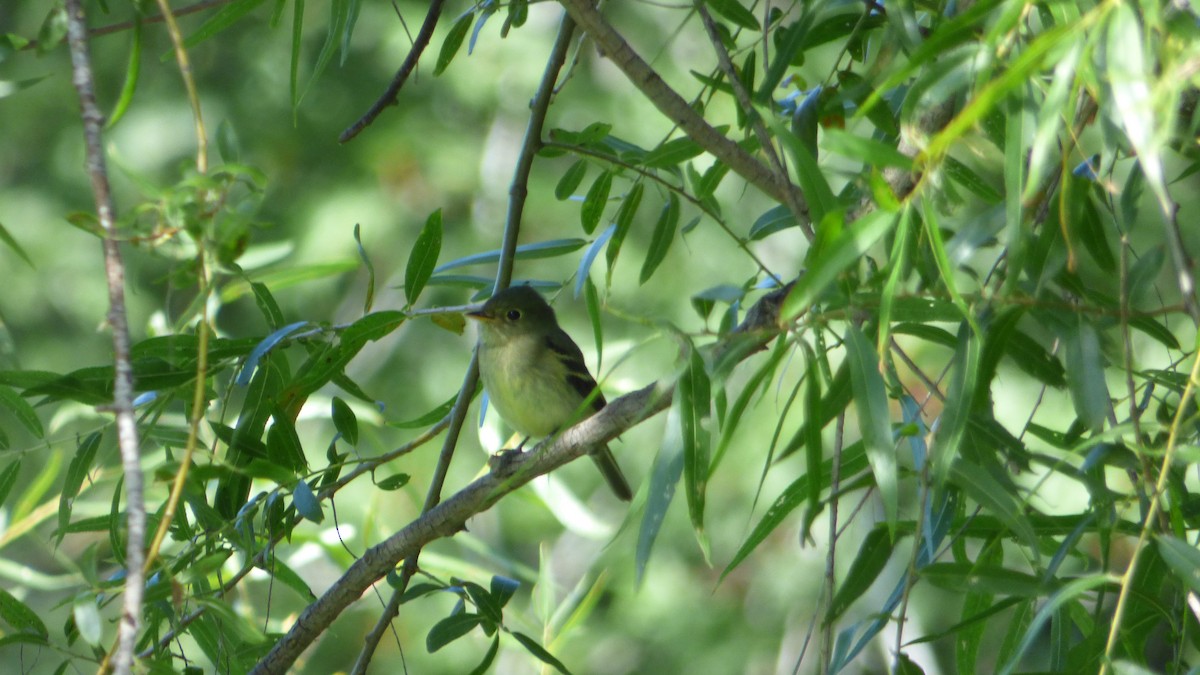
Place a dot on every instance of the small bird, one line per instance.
(535, 375)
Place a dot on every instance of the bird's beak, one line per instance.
(479, 315)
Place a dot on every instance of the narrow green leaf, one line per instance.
(450, 629)
(957, 411)
(968, 178)
(736, 12)
(866, 150)
(898, 264)
(1086, 224)
(87, 619)
(874, 553)
(1014, 180)
(8, 240)
(453, 41)
(933, 234)
(423, 257)
(486, 664)
(18, 615)
(1156, 330)
(485, 12)
(1085, 373)
(789, 45)
(488, 607)
(345, 421)
(267, 305)
(1047, 132)
(371, 327)
(623, 222)
(540, 652)
(263, 348)
(77, 471)
(38, 487)
(132, 71)
(980, 486)
(222, 19)
(874, 420)
(21, 409)
(1068, 593)
(595, 202)
(695, 401)
(664, 236)
(812, 179)
(369, 301)
(814, 451)
(288, 577)
(1016, 76)
(672, 153)
(289, 276)
(589, 257)
(593, 308)
(773, 220)
(283, 445)
(337, 22)
(664, 477)
(431, 417)
(294, 62)
(1183, 559)
(853, 459)
(845, 250)
(1128, 73)
(306, 502)
(734, 417)
(541, 249)
(570, 180)
(8, 478)
(394, 482)
(993, 579)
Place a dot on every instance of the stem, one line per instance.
(114, 273)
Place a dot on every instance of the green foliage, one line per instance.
(957, 365)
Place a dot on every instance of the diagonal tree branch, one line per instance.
(450, 516)
(673, 105)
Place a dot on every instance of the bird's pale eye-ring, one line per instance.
(513, 314)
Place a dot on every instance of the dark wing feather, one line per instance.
(577, 373)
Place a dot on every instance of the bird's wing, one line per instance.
(577, 373)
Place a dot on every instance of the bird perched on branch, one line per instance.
(535, 375)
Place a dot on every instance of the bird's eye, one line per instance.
(513, 314)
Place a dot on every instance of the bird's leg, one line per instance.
(500, 461)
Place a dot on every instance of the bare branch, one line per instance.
(410, 63)
(114, 272)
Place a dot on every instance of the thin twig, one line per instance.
(410, 63)
(114, 272)
(198, 408)
(792, 197)
(827, 628)
(189, 84)
(126, 25)
(1182, 412)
